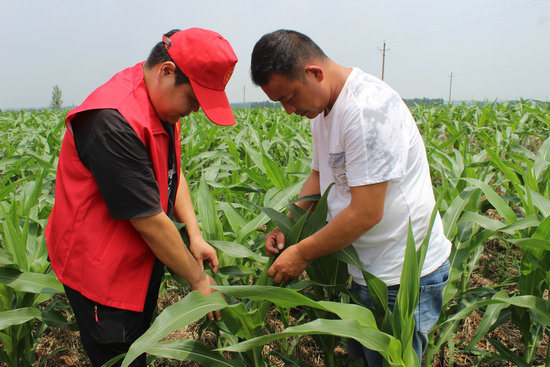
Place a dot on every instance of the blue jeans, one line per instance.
(425, 316)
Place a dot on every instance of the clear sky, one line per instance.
(494, 49)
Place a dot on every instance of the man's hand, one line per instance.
(202, 251)
(163, 238)
(274, 241)
(203, 286)
(289, 265)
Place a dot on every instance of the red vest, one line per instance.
(106, 260)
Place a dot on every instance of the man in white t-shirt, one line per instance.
(366, 141)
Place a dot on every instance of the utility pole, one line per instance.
(450, 86)
(244, 96)
(383, 58)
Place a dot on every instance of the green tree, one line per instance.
(57, 98)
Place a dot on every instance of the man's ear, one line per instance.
(167, 68)
(316, 71)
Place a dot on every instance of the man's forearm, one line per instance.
(183, 208)
(364, 212)
(163, 238)
(340, 232)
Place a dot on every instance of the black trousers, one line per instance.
(107, 332)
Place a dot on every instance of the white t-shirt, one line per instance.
(369, 137)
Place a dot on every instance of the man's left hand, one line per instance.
(202, 252)
(289, 265)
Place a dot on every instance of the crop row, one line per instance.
(490, 169)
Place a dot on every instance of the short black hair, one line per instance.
(159, 54)
(283, 52)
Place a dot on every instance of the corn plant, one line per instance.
(246, 319)
(522, 202)
(26, 280)
(489, 165)
(395, 326)
(327, 276)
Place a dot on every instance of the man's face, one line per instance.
(302, 97)
(171, 101)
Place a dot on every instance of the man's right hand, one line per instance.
(274, 241)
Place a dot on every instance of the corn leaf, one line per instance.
(278, 202)
(453, 213)
(490, 315)
(296, 211)
(542, 161)
(318, 219)
(5, 258)
(541, 202)
(294, 234)
(274, 173)
(189, 309)
(236, 271)
(191, 350)
(236, 221)
(506, 353)
(207, 213)
(286, 297)
(281, 296)
(377, 288)
(389, 347)
(237, 251)
(500, 205)
(532, 243)
(18, 316)
(283, 221)
(30, 282)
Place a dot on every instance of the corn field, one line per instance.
(490, 170)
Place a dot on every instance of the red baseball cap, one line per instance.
(208, 60)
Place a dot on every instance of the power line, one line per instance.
(410, 36)
(411, 39)
(445, 21)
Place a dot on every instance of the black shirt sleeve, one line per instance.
(119, 161)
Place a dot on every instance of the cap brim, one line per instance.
(215, 105)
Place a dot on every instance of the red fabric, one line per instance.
(105, 259)
(208, 60)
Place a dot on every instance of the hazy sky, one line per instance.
(494, 49)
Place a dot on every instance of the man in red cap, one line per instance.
(119, 185)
